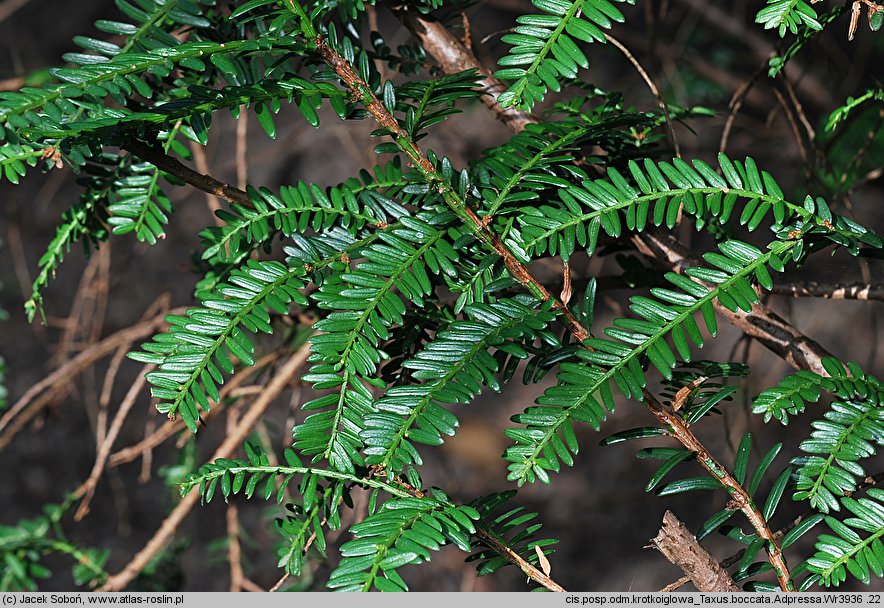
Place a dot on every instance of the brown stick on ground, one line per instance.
(87, 490)
(680, 547)
(227, 448)
(171, 427)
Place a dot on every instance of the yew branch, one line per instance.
(680, 431)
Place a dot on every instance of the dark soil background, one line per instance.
(698, 52)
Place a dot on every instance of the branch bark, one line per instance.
(831, 291)
(681, 548)
(206, 183)
(771, 330)
(363, 92)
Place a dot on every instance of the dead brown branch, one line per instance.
(681, 548)
(771, 330)
(39, 395)
(517, 560)
(831, 291)
(234, 551)
(736, 103)
(654, 90)
(454, 57)
(171, 427)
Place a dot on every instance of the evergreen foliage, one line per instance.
(412, 283)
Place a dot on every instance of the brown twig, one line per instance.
(234, 551)
(242, 149)
(681, 548)
(736, 103)
(87, 490)
(870, 481)
(227, 448)
(363, 92)
(793, 124)
(279, 583)
(494, 543)
(679, 430)
(730, 23)
(160, 304)
(831, 291)
(762, 324)
(206, 183)
(771, 330)
(725, 563)
(87, 311)
(202, 165)
(514, 558)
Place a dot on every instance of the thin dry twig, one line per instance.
(832, 291)
(771, 330)
(793, 124)
(84, 315)
(171, 427)
(87, 490)
(517, 560)
(227, 448)
(452, 56)
(762, 324)
(654, 90)
(161, 304)
(736, 104)
(362, 91)
(242, 149)
(279, 583)
(202, 165)
(234, 551)
(681, 548)
(206, 183)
